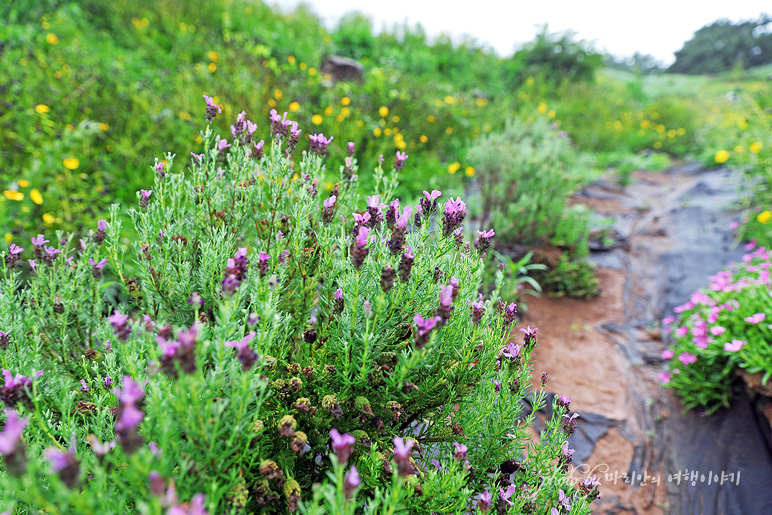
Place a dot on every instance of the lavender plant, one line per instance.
(274, 352)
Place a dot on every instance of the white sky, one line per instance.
(621, 27)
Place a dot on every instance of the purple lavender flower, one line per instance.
(100, 449)
(460, 451)
(144, 199)
(455, 212)
(350, 148)
(37, 246)
(402, 456)
(511, 352)
(65, 465)
(245, 354)
(397, 240)
(129, 415)
(478, 310)
(485, 502)
(446, 304)
(359, 250)
(294, 138)
(280, 125)
(496, 385)
(351, 482)
(84, 387)
(566, 454)
(14, 390)
(569, 423)
(406, 265)
(238, 128)
(484, 241)
(120, 325)
(196, 299)
(96, 268)
(108, 382)
(222, 146)
(13, 256)
(388, 275)
(564, 401)
(196, 507)
(425, 327)
(328, 213)
(160, 168)
(319, 144)
(338, 302)
(429, 202)
(100, 235)
(257, 150)
(399, 162)
(263, 261)
(5, 340)
(212, 109)
(506, 495)
(341, 445)
(529, 336)
(11, 445)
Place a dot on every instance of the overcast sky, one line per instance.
(621, 27)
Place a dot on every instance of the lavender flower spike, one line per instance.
(399, 163)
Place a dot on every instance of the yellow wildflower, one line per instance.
(448, 130)
(450, 100)
(431, 118)
(317, 119)
(23, 183)
(51, 39)
(103, 127)
(312, 71)
(277, 94)
(645, 124)
(423, 138)
(71, 163)
(469, 171)
(542, 107)
(35, 196)
(377, 132)
(48, 219)
(184, 116)
(42, 109)
(214, 56)
(13, 195)
(328, 110)
(756, 147)
(764, 217)
(453, 167)
(212, 67)
(721, 156)
(291, 59)
(8, 237)
(345, 101)
(294, 106)
(383, 111)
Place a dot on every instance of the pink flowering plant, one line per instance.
(721, 330)
(264, 347)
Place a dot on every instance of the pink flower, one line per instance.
(717, 330)
(687, 358)
(734, 345)
(756, 318)
(665, 377)
(667, 354)
(682, 331)
(668, 320)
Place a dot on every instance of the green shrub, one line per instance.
(271, 340)
(526, 175)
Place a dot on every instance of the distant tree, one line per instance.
(645, 64)
(557, 56)
(724, 45)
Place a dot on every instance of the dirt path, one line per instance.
(673, 230)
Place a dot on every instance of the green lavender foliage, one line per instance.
(217, 427)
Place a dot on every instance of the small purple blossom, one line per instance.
(84, 387)
(350, 148)
(212, 109)
(506, 495)
(425, 327)
(485, 502)
(460, 451)
(733, 346)
(319, 144)
(402, 455)
(756, 318)
(351, 482)
(399, 162)
(341, 445)
(686, 358)
(144, 199)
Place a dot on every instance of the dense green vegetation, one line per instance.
(90, 92)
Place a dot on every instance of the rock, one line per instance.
(340, 68)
